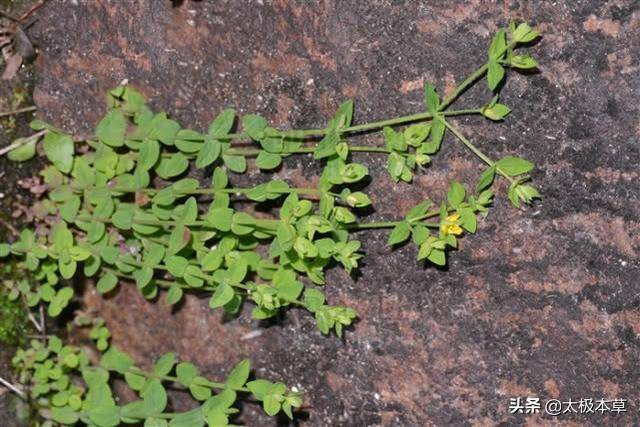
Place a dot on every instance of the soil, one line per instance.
(541, 302)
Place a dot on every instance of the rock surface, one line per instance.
(540, 302)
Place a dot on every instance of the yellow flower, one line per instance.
(449, 225)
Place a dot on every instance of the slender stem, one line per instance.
(301, 134)
(402, 120)
(387, 224)
(475, 150)
(18, 111)
(463, 86)
(313, 191)
(12, 387)
(210, 384)
(22, 142)
(479, 72)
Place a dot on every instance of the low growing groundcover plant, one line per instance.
(122, 208)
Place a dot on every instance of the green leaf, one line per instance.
(189, 141)
(437, 256)
(271, 405)
(174, 295)
(524, 33)
(223, 123)
(400, 233)
(353, 172)
(237, 271)
(418, 211)
(239, 374)
(192, 418)
(254, 126)
(179, 238)
(268, 161)
(237, 164)
(437, 134)
(107, 283)
(193, 276)
(135, 381)
(59, 150)
(498, 46)
(111, 128)
(357, 199)
(186, 372)
(148, 154)
(286, 235)
(61, 236)
(313, 299)
(164, 129)
(486, 179)
(523, 62)
(105, 416)
(164, 364)
(520, 192)
(431, 98)
(344, 115)
(223, 294)
(220, 179)
(468, 219)
(242, 223)
(272, 144)
(5, 249)
(115, 360)
(154, 396)
(414, 135)
(123, 216)
(260, 388)
(176, 265)
(495, 74)
(209, 153)
(290, 290)
(514, 166)
(327, 145)
(456, 194)
(64, 415)
(25, 151)
(172, 166)
(199, 388)
(496, 112)
(220, 218)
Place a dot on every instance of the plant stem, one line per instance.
(463, 86)
(387, 224)
(22, 142)
(479, 72)
(313, 191)
(402, 120)
(210, 384)
(475, 150)
(303, 133)
(18, 111)
(12, 387)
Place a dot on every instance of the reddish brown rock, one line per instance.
(541, 302)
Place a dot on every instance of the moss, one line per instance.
(14, 323)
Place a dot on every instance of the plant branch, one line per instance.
(473, 77)
(22, 142)
(13, 388)
(18, 111)
(476, 150)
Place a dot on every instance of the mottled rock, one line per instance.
(540, 302)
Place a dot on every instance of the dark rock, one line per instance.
(540, 302)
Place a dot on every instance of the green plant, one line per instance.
(123, 209)
(66, 387)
